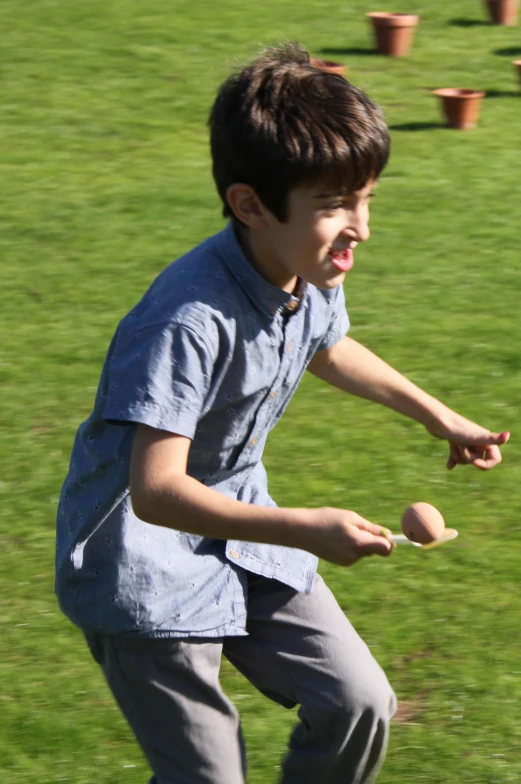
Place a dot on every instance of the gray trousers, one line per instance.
(301, 650)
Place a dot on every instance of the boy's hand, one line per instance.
(470, 443)
(343, 537)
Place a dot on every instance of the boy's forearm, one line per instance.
(356, 370)
(183, 503)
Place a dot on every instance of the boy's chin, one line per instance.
(330, 283)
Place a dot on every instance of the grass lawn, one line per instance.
(105, 179)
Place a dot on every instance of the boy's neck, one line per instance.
(260, 257)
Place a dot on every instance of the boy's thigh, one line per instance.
(302, 649)
(170, 694)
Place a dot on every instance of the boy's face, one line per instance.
(317, 240)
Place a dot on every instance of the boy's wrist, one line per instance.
(437, 417)
(284, 526)
(424, 409)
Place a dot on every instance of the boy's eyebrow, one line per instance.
(339, 193)
(328, 194)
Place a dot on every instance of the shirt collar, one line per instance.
(264, 295)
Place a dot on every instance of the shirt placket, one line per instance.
(281, 354)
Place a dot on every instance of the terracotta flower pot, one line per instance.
(393, 32)
(329, 66)
(517, 66)
(503, 12)
(460, 107)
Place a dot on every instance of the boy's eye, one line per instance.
(346, 204)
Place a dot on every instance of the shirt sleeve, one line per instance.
(338, 324)
(159, 376)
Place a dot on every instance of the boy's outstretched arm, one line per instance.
(355, 369)
(163, 494)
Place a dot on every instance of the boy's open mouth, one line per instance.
(343, 260)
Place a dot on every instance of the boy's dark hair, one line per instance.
(279, 123)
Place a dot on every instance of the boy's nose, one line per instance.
(362, 228)
(366, 233)
(358, 231)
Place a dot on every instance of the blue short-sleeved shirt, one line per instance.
(212, 352)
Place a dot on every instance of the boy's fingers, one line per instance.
(453, 457)
(365, 525)
(484, 456)
(375, 545)
(498, 439)
(491, 439)
(491, 457)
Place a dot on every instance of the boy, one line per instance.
(170, 550)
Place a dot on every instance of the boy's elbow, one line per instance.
(141, 502)
(157, 464)
(144, 495)
(158, 501)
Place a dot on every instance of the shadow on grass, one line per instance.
(503, 94)
(418, 126)
(355, 50)
(509, 51)
(469, 22)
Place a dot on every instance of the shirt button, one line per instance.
(293, 305)
(234, 554)
(289, 346)
(252, 442)
(274, 394)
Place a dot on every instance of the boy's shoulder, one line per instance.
(195, 284)
(196, 271)
(212, 288)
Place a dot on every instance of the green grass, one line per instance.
(105, 178)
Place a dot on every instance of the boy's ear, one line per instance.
(246, 205)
